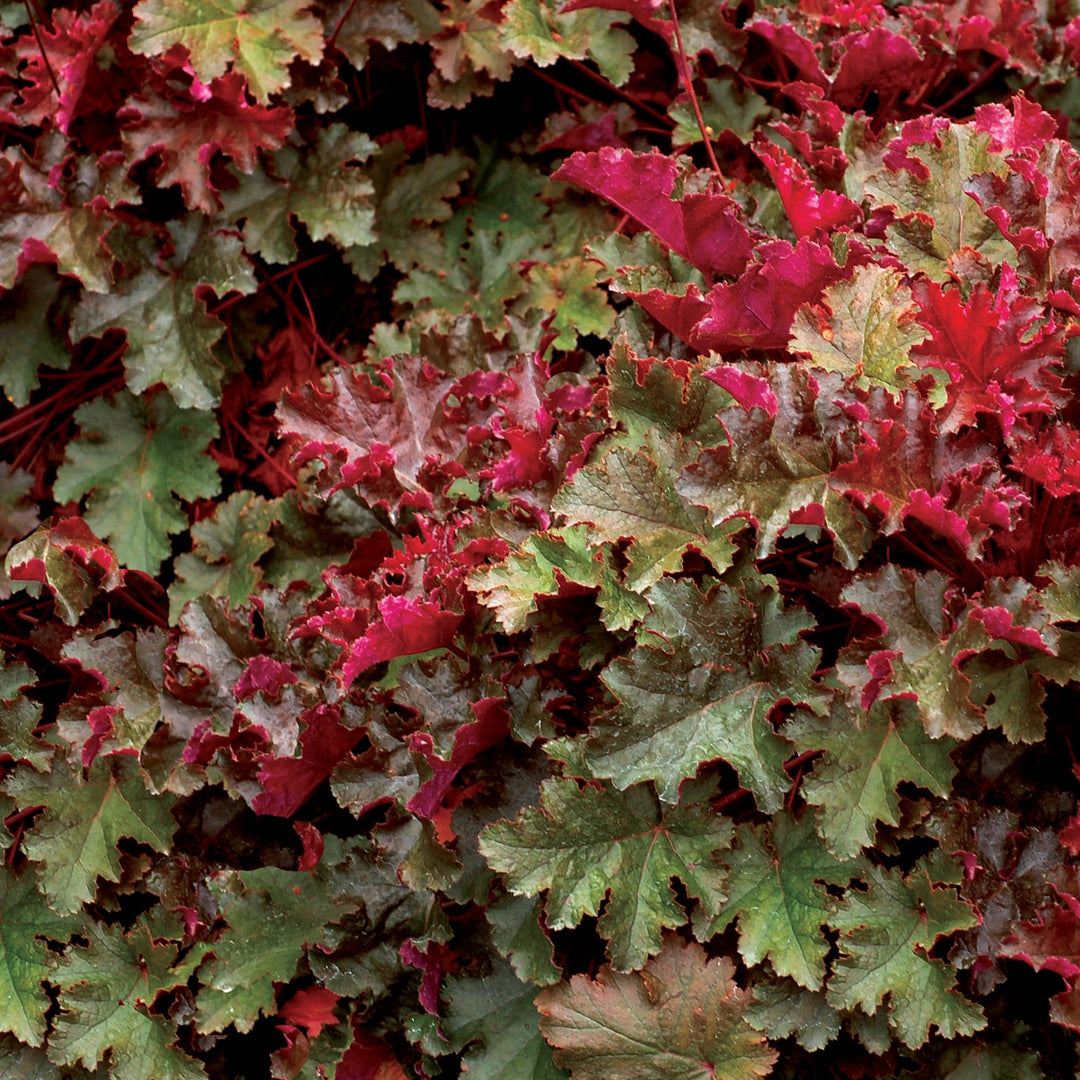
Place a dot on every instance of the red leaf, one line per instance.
(717, 242)
(1000, 351)
(819, 130)
(808, 210)
(264, 675)
(998, 622)
(757, 310)
(243, 743)
(70, 561)
(1051, 457)
(795, 48)
(312, 1009)
(917, 132)
(384, 433)
(589, 135)
(368, 1058)
(101, 726)
(490, 727)
(750, 391)
(407, 628)
(1053, 944)
(1020, 129)
(643, 11)
(879, 61)
(288, 782)
(313, 842)
(72, 44)
(1070, 835)
(432, 963)
(704, 228)
(286, 1063)
(639, 184)
(1034, 204)
(1006, 29)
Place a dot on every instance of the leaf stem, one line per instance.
(289, 271)
(295, 311)
(972, 87)
(41, 48)
(341, 22)
(631, 99)
(151, 616)
(688, 82)
(562, 87)
(261, 451)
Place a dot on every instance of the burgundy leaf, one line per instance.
(288, 782)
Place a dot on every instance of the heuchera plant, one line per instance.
(541, 539)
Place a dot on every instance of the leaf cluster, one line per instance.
(540, 539)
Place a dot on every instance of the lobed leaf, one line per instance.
(681, 1017)
(134, 459)
(585, 845)
(258, 38)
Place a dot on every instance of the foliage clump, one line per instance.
(541, 539)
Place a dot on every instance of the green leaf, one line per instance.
(518, 935)
(19, 1062)
(75, 565)
(389, 22)
(493, 1019)
(866, 757)
(681, 1018)
(504, 197)
(784, 1010)
(776, 889)
(922, 649)
(468, 56)
(360, 953)
(408, 199)
(259, 38)
(726, 107)
(272, 915)
(674, 396)
(701, 686)
(633, 496)
(321, 186)
(936, 217)
(1061, 598)
(74, 839)
(28, 339)
(775, 465)
(536, 569)
(568, 290)
(308, 539)
(537, 30)
(26, 921)
(18, 515)
(19, 716)
(226, 549)
(586, 844)
(482, 276)
(868, 332)
(106, 988)
(988, 1062)
(885, 932)
(170, 334)
(132, 459)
